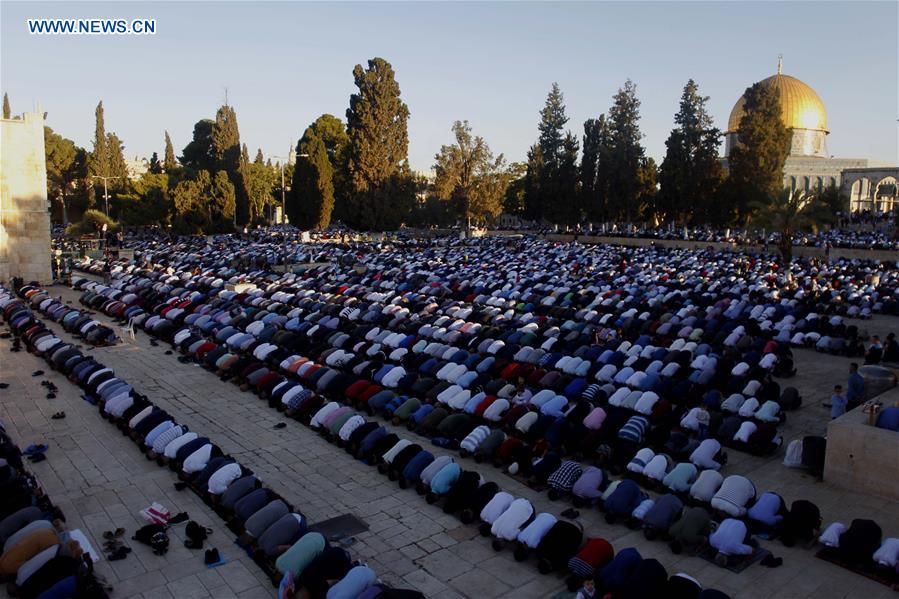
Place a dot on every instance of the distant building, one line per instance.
(136, 167)
(869, 184)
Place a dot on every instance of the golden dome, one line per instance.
(800, 105)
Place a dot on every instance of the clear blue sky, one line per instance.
(491, 63)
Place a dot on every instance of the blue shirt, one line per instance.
(839, 405)
(856, 391)
(889, 419)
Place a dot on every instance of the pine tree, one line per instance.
(589, 163)
(604, 168)
(566, 209)
(260, 159)
(756, 162)
(533, 204)
(647, 190)
(594, 168)
(552, 123)
(691, 173)
(311, 197)
(7, 112)
(551, 142)
(62, 169)
(381, 190)
(155, 165)
(199, 153)
(468, 175)
(168, 161)
(626, 152)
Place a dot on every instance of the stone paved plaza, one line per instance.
(101, 481)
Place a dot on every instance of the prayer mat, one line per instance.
(878, 574)
(340, 527)
(709, 553)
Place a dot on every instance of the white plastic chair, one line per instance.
(128, 329)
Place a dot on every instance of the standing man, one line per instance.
(855, 394)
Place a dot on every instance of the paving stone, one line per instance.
(477, 583)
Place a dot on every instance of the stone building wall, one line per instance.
(24, 216)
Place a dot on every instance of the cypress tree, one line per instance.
(98, 163)
(626, 152)
(222, 202)
(117, 166)
(155, 165)
(311, 197)
(168, 161)
(691, 173)
(756, 162)
(7, 113)
(226, 145)
(260, 159)
(381, 190)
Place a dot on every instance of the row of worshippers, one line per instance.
(72, 320)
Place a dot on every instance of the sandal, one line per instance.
(109, 534)
(58, 416)
(37, 457)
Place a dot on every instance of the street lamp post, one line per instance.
(281, 160)
(105, 191)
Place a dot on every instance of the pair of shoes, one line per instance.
(120, 553)
(570, 513)
(37, 373)
(180, 485)
(58, 416)
(280, 425)
(51, 395)
(37, 457)
(771, 561)
(212, 557)
(4, 385)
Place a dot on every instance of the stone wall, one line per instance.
(861, 457)
(24, 216)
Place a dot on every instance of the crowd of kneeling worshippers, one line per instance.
(40, 557)
(643, 360)
(269, 525)
(470, 341)
(275, 533)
